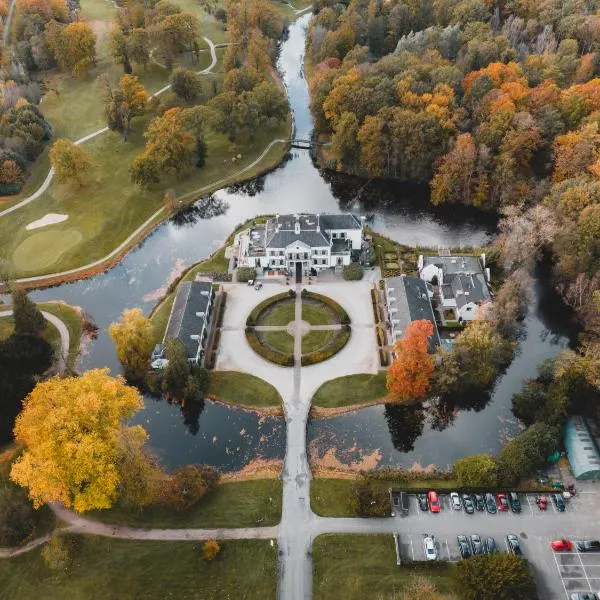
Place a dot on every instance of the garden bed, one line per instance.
(284, 359)
(260, 313)
(337, 343)
(310, 301)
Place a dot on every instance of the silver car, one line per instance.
(455, 500)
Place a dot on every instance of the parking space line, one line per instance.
(560, 575)
(447, 548)
(584, 571)
(529, 503)
(412, 550)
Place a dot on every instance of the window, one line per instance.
(315, 261)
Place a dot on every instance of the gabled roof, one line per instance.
(470, 288)
(183, 321)
(345, 221)
(452, 265)
(313, 239)
(411, 299)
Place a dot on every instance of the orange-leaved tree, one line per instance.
(409, 376)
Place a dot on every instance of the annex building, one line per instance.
(305, 243)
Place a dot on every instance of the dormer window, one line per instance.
(297, 230)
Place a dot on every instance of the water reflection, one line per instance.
(405, 424)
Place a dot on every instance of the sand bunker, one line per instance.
(49, 219)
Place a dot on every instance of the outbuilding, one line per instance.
(581, 448)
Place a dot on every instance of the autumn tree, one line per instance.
(134, 338)
(74, 431)
(73, 45)
(27, 316)
(409, 376)
(174, 34)
(187, 485)
(477, 470)
(69, 161)
(186, 84)
(421, 588)
(124, 103)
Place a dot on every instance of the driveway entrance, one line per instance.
(298, 272)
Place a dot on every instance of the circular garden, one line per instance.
(271, 327)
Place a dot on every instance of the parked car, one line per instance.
(455, 500)
(422, 499)
(561, 545)
(490, 503)
(468, 504)
(558, 502)
(429, 547)
(502, 502)
(434, 502)
(542, 502)
(476, 544)
(258, 285)
(478, 501)
(588, 546)
(512, 544)
(490, 545)
(515, 503)
(584, 596)
(463, 546)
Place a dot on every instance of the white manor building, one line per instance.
(305, 241)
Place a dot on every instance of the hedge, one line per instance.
(384, 357)
(245, 274)
(338, 342)
(221, 312)
(254, 316)
(353, 272)
(274, 356)
(340, 314)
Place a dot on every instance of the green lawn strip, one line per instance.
(232, 504)
(315, 340)
(128, 570)
(278, 340)
(105, 211)
(316, 313)
(351, 389)
(364, 566)
(243, 389)
(331, 497)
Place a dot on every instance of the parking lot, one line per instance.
(558, 574)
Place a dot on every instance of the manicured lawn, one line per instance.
(282, 313)
(243, 389)
(236, 504)
(316, 313)
(315, 340)
(364, 566)
(217, 263)
(128, 570)
(279, 340)
(351, 389)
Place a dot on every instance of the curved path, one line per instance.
(98, 132)
(65, 338)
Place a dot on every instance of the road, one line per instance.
(65, 340)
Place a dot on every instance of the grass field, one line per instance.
(243, 389)
(351, 389)
(364, 566)
(281, 314)
(236, 504)
(278, 340)
(316, 313)
(315, 340)
(127, 570)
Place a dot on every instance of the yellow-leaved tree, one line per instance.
(78, 448)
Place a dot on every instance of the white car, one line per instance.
(455, 499)
(429, 547)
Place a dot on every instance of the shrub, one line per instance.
(475, 471)
(60, 551)
(221, 309)
(336, 344)
(384, 357)
(279, 358)
(210, 550)
(187, 485)
(16, 516)
(353, 272)
(368, 500)
(245, 274)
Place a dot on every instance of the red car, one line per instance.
(542, 502)
(561, 545)
(502, 502)
(434, 502)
